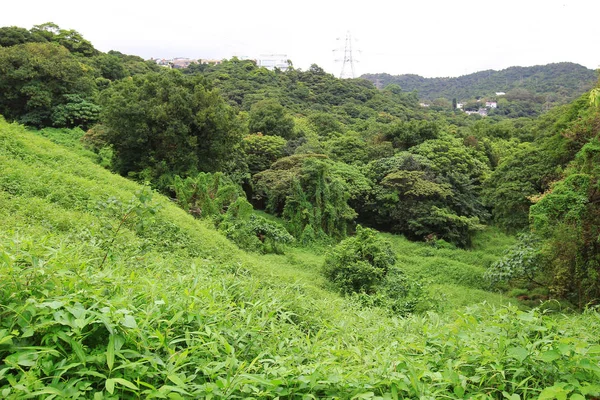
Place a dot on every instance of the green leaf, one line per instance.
(550, 355)
(176, 380)
(511, 396)
(366, 395)
(5, 338)
(557, 392)
(129, 322)
(125, 383)
(519, 353)
(47, 391)
(110, 385)
(577, 396)
(110, 352)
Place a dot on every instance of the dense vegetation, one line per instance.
(236, 265)
(528, 90)
(110, 290)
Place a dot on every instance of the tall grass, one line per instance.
(177, 311)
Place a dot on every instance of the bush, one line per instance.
(252, 232)
(359, 263)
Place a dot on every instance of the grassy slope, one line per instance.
(177, 311)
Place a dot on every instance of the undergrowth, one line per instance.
(176, 310)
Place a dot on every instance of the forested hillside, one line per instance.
(543, 85)
(228, 231)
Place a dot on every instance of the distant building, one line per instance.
(491, 104)
(424, 104)
(181, 62)
(210, 61)
(459, 106)
(163, 62)
(500, 94)
(482, 111)
(272, 61)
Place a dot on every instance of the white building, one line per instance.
(491, 104)
(272, 61)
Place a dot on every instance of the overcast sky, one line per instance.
(425, 37)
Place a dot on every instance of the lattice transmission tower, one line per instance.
(348, 60)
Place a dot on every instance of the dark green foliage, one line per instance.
(13, 35)
(432, 193)
(530, 168)
(568, 218)
(311, 190)
(76, 111)
(165, 123)
(43, 84)
(70, 39)
(553, 84)
(359, 263)
(48, 32)
(307, 92)
(270, 118)
(349, 149)
(404, 135)
(109, 66)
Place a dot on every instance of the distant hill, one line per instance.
(557, 82)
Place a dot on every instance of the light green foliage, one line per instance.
(318, 198)
(178, 311)
(253, 232)
(262, 151)
(205, 194)
(595, 97)
(349, 148)
(359, 263)
(522, 262)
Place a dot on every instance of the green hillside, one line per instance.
(553, 83)
(110, 291)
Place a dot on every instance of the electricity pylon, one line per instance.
(348, 59)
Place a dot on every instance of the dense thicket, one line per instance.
(165, 123)
(176, 311)
(319, 152)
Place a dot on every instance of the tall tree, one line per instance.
(36, 78)
(166, 123)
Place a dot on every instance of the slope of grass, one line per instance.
(108, 291)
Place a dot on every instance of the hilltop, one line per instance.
(555, 83)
